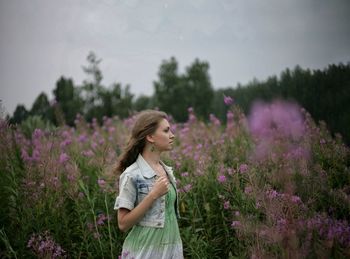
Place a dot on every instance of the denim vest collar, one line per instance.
(146, 169)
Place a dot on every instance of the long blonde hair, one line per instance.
(146, 123)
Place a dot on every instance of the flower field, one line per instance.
(272, 184)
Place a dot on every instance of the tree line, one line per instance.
(323, 93)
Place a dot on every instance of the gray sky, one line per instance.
(40, 40)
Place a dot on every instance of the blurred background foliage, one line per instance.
(323, 93)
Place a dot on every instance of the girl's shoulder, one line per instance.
(131, 170)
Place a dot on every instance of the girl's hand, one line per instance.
(160, 187)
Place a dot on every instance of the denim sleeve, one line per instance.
(127, 193)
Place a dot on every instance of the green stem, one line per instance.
(93, 213)
(109, 228)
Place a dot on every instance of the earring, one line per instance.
(152, 147)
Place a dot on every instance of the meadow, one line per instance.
(272, 184)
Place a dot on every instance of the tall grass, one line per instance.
(272, 184)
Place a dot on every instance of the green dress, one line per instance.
(156, 243)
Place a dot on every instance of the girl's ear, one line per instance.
(149, 138)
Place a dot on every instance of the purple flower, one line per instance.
(24, 155)
(295, 199)
(228, 100)
(111, 130)
(215, 121)
(187, 187)
(226, 205)
(101, 218)
(281, 118)
(243, 168)
(235, 224)
(101, 183)
(63, 158)
(184, 174)
(248, 189)
(38, 133)
(271, 194)
(222, 178)
(65, 142)
(82, 138)
(229, 116)
(36, 155)
(87, 153)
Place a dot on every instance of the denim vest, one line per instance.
(135, 183)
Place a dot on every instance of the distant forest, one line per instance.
(325, 94)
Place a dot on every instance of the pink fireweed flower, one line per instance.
(101, 183)
(184, 174)
(235, 224)
(82, 138)
(228, 100)
(87, 153)
(177, 164)
(191, 116)
(65, 134)
(243, 168)
(24, 155)
(63, 158)
(295, 199)
(111, 130)
(101, 141)
(215, 121)
(271, 194)
(101, 219)
(65, 142)
(187, 187)
(248, 189)
(229, 116)
(38, 133)
(222, 178)
(94, 145)
(36, 155)
(226, 205)
(275, 124)
(281, 118)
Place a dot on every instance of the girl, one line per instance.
(148, 201)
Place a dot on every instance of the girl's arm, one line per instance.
(128, 218)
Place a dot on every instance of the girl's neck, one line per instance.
(152, 158)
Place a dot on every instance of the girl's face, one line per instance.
(163, 137)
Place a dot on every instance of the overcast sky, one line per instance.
(41, 40)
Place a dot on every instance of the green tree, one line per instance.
(199, 88)
(91, 90)
(143, 102)
(42, 108)
(67, 100)
(20, 114)
(175, 93)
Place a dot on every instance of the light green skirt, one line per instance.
(148, 242)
